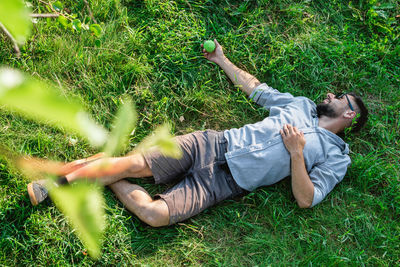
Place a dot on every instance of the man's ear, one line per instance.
(349, 114)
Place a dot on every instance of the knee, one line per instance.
(156, 214)
(139, 166)
(155, 223)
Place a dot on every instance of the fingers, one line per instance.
(297, 131)
(290, 130)
(205, 53)
(287, 129)
(284, 131)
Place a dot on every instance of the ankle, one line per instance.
(62, 180)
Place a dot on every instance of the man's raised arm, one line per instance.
(239, 77)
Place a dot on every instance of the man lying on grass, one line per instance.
(298, 139)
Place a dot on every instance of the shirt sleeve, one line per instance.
(326, 175)
(268, 97)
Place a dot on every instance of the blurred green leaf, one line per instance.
(83, 205)
(14, 15)
(77, 25)
(58, 6)
(161, 140)
(95, 29)
(40, 101)
(97, 43)
(63, 21)
(124, 123)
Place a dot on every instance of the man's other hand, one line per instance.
(293, 139)
(217, 56)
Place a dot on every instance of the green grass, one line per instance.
(151, 51)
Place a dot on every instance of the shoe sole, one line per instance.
(31, 194)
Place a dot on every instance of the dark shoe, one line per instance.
(37, 192)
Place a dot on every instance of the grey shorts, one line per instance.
(202, 177)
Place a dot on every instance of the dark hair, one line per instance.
(362, 111)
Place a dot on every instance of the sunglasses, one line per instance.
(340, 96)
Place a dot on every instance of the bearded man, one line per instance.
(297, 139)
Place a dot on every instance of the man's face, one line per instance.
(332, 107)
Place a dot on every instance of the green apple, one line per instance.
(209, 46)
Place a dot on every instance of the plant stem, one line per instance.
(90, 11)
(44, 15)
(15, 44)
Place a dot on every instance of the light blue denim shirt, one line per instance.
(257, 156)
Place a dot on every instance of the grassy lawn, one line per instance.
(150, 51)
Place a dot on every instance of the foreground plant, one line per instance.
(82, 203)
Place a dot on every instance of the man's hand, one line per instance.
(302, 187)
(293, 139)
(217, 56)
(240, 78)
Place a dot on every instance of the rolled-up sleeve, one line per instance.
(268, 97)
(326, 175)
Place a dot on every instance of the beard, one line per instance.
(326, 110)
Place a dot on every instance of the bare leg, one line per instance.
(77, 164)
(111, 170)
(138, 201)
